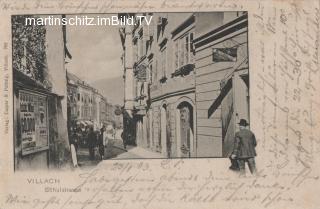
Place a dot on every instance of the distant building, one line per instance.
(177, 73)
(85, 102)
(108, 108)
(72, 89)
(118, 117)
(91, 106)
(103, 111)
(98, 109)
(114, 115)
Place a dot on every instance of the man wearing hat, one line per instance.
(244, 148)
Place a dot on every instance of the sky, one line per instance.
(95, 50)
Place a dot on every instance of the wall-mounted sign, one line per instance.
(33, 122)
(224, 54)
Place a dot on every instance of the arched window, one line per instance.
(185, 129)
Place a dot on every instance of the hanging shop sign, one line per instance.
(33, 122)
(224, 54)
(141, 73)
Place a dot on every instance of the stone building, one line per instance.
(72, 90)
(102, 111)
(85, 102)
(40, 96)
(172, 89)
(222, 80)
(90, 104)
(159, 83)
(175, 74)
(98, 109)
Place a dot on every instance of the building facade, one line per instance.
(40, 96)
(102, 111)
(98, 101)
(89, 106)
(72, 90)
(174, 74)
(109, 113)
(222, 80)
(163, 89)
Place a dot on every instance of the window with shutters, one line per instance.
(141, 48)
(183, 51)
(155, 71)
(135, 50)
(176, 54)
(163, 61)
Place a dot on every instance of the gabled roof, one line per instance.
(75, 80)
(73, 77)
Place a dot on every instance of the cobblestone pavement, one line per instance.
(139, 153)
(114, 150)
(84, 160)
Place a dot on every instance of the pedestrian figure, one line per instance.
(244, 148)
(74, 155)
(105, 136)
(124, 140)
(101, 142)
(75, 139)
(79, 138)
(73, 147)
(114, 133)
(234, 164)
(91, 143)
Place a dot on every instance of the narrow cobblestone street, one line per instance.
(115, 150)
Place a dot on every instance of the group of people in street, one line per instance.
(97, 141)
(94, 140)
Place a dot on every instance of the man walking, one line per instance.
(124, 140)
(244, 148)
(102, 142)
(92, 140)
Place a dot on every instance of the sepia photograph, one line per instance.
(96, 87)
(159, 104)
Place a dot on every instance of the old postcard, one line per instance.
(160, 104)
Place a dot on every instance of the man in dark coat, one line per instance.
(101, 142)
(92, 141)
(244, 148)
(124, 140)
